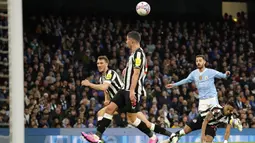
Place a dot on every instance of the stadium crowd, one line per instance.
(60, 52)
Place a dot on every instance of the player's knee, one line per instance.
(101, 112)
(131, 118)
(128, 118)
(129, 122)
(144, 119)
(109, 110)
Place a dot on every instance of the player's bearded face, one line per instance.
(200, 62)
(101, 65)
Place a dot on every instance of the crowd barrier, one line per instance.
(119, 135)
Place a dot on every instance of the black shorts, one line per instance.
(123, 102)
(196, 124)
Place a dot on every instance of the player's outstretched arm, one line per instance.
(205, 122)
(222, 75)
(101, 87)
(227, 133)
(189, 79)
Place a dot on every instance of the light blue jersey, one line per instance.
(204, 82)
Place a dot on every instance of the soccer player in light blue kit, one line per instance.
(204, 80)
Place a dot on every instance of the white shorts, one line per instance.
(204, 104)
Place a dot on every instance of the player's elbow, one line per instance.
(104, 87)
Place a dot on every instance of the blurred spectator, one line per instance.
(193, 113)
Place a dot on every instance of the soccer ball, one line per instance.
(236, 123)
(143, 8)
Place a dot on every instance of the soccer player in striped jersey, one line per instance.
(216, 115)
(129, 97)
(111, 83)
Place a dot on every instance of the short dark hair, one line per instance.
(135, 35)
(200, 56)
(103, 58)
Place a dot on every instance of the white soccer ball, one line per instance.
(143, 8)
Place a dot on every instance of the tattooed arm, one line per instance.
(227, 133)
(205, 122)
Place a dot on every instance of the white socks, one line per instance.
(108, 116)
(137, 122)
(99, 118)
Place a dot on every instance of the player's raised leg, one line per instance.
(117, 102)
(152, 126)
(100, 114)
(174, 137)
(193, 125)
(138, 123)
(132, 117)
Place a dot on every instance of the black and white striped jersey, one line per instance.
(205, 112)
(218, 116)
(114, 80)
(136, 60)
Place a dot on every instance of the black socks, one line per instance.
(162, 131)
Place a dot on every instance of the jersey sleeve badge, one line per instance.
(108, 76)
(138, 62)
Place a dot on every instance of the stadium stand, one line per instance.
(59, 52)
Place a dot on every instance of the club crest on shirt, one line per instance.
(108, 76)
(206, 77)
(194, 120)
